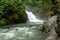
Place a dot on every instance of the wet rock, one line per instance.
(49, 28)
(41, 27)
(52, 35)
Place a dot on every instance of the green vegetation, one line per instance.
(40, 7)
(12, 12)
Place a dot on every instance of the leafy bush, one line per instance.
(12, 12)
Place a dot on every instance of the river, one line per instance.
(26, 31)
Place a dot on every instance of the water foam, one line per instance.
(32, 17)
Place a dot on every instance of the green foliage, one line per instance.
(34, 2)
(58, 7)
(2, 22)
(40, 7)
(47, 3)
(12, 12)
(58, 1)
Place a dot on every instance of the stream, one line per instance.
(26, 31)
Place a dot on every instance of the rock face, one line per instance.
(58, 26)
(49, 28)
(50, 23)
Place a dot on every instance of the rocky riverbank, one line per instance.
(49, 28)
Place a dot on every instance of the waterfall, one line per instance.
(32, 17)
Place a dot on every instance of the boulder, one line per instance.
(49, 28)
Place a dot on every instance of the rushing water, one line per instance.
(21, 33)
(24, 31)
(32, 18)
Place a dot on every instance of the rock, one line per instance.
(41, 27)
(52, 35)
(50, 23)
(49, 28)
(58, 26)
(58, 38)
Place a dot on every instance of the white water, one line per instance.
(32, 18)
(24, 33)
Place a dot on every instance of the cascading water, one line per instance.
(32, 18)
(23, 32)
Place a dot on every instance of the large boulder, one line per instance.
(49, 28)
